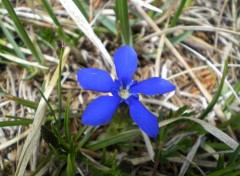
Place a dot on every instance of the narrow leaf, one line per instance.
(23, 34)
(217, 95)
(122, 16)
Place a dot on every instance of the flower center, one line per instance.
(124, 93)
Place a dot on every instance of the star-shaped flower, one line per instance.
(123, 90)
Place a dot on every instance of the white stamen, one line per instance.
(124, 93)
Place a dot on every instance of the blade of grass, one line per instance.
(80, 6)
(220, 162)
(190, 156)
(80, 132)
(23, 63)
(109, 24)
(122, 137)
(232, 97)
(27, 103)
(179, 11)
(12, 41)
(234, 156)
(202, 58)
(66, 118)
(225, 170)
(51, 13)
(38, 120)
(16, 122)
(21, 31)
(60, 139)
(59, 88)
(50, 107)
(70, 171)
(86, 28)
(208, 127)
(86, 137)
(122, 15)
(27, 51)
(71, 162)
(181, 37)
(43, 163)
(218, 93)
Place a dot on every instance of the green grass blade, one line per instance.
(59, 87)
(122, 16)
(234, 156)
(218, 93)
(123, 137)
(12, 41)
(66, 118)
(60, 139)
(27, 103)
(51, 13)
(86, 137)
(232, 97)
(181, 37)
(220, 162)
(16, 122)
(70, 166)
(109, 24)
(21, 31)
(48, 104)
(80, 6)
(43, 163)
(179, 11)
(225, 170)
(80, 132)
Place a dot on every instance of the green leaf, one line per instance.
(43, 163)
(18, 121)
(59, 88)
(51, 13)
(61, 141)
(27, 103)
(80, 132)
(71, 163)
(12, 41)
(122, 137)
(122, 16)
(208, 127)
(220, 162)
(80, 6)
(218, 93)
(179, 11)
(23, 34)
(66, 118)
(86, 137)
(50, 107)
(70, 171)
(234, 156)
(226, 170)
(181, 37)
(109, 24)
(180, 111)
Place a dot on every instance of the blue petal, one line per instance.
(95, 79)
(143, 117)
(153, 86)
(125, 59)
(100, 110)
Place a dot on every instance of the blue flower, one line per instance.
(123, 90)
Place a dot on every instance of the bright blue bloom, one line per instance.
(123, 90)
